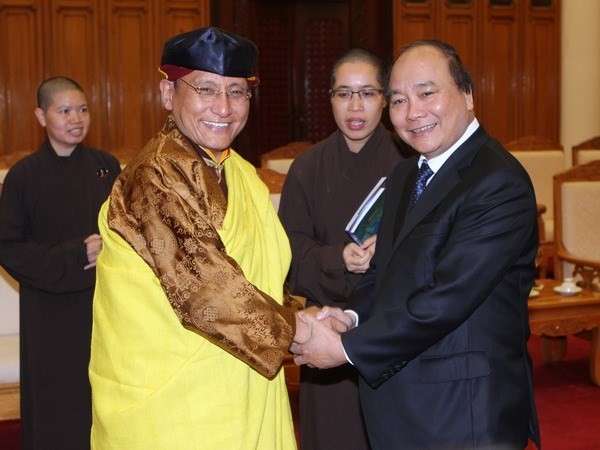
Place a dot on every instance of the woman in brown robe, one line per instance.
(49, 242)
(323, 189)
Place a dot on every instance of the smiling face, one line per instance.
(357, 117)
(211, 122)
(427, 109)
(66, 119)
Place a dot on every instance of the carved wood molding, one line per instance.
(533, 143)
(564, 327)
(291, 150)
(583, 172)
(590, 144)
(590, 276)
(587, 269)
(274, 180)
(16, 6)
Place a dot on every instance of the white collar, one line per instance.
(437, 162)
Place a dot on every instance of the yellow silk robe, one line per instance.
(189, 329)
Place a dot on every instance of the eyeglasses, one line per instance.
(236, 96)
(345, 95)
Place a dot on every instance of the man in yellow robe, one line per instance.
(190, 329)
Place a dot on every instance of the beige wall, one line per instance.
(580, 73)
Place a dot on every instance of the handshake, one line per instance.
(318, 341)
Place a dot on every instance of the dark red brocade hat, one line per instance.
(212, 50)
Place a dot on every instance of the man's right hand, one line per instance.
(334, 321)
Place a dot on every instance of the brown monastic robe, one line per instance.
(323, 189)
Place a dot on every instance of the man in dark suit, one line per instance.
(439, 323)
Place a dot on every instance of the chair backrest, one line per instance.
(586, 151)
(577, 222)
(9, 294)
(542, 160)
(3, 169)
(274, 181)
(9, 304)
(124, 155)
(280, 158)
(7, 160)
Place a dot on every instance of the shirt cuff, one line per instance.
(353, 314)
(346, 355)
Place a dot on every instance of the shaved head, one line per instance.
(51, 86)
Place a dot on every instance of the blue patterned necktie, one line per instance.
(424, 174)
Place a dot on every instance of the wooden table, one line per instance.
(554, 317)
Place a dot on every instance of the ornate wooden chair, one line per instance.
(124, 155)
(9, 348)
(577, 215)
(9, 330)
(586, 151)
(280, 158)
(7, 160)
(274, 181)
(542, 158)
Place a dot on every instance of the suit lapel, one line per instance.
(440, 186)
(395, 198)
(399, 200)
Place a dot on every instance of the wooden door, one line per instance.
(298, 43)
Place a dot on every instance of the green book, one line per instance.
(366, 219)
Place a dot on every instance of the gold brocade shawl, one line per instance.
(168, 206)
(157, 384)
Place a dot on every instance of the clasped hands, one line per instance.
(318, 342)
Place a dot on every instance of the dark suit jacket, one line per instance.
(442, 340)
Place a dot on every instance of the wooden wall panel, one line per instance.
(413, 20)
(511, 48)
(171, 17)
(179, 16)
(132, 64)
(453, 22)
(20, 71)
(111, 47)
(458, 27)
(540, 59)
(499, 108)
(72, 50)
